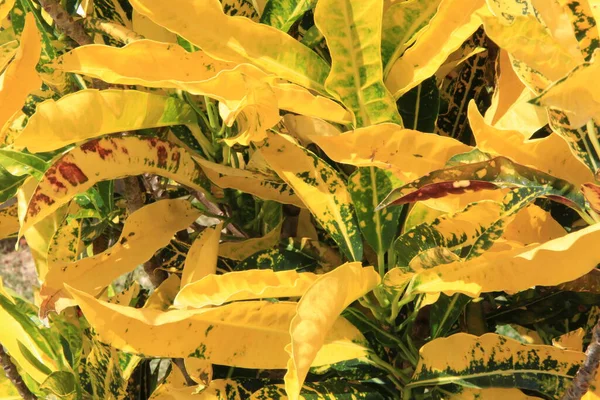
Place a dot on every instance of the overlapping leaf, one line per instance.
(201, 259)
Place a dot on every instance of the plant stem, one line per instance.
(397, 375)
(381, 263)
(581, 381)
(66, 23)
(12, 374)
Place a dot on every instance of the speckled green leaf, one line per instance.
(401, 22)
(445, 312)
(492, 360)
(321, 189)
(420, 106)
(368, 186)
(332, 389)
(279, 259)
(9, 184)
(101, 374)
(499, 172)
(352, 29)
(283, 13)
(584, 25)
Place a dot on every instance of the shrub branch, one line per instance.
(66, 23)
(585, 375)
(10, 369)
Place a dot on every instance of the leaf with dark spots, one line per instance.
(499, 172)
(72, 173)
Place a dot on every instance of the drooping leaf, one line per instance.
(550, 154)
(201, 259)
(511, 270)
(368, 186)
(453, 23)
(256, 332)
(276, 52)
(66, 121)
(245, 248)
(20, 77)
(320, 188)
(142, 235)
(316, 314)
(254, 182)
(9, 221)
(402, 22)
(282, 14)
(352, 30)
(499, 172)
(109, 158)
(419, 107)
(243, 285)
(495, 361)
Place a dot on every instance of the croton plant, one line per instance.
(332, 199)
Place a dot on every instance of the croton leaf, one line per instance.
(321, 189)
(9, 220)
(352, 29)
(243, 249)
(108, 158)
(244, 326)
(67, 121)
(282, 14)
(499, 172)
(338, 389)
(201, 259)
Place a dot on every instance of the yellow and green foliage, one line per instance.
(379, 199)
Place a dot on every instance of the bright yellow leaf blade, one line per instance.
(148, 29)
(9, 221)
(570, 341)
(316, 314)
(513, 270)
(204, 24)
(5, 8)
(243, 249)
(406, 153)
(68, 120)
(454, 22)
(162, 297)
(490, 394)
(551, 154)
(321, 189)
(109, 158)
(201, 259)
(263, 186)
(7, 52)
(533, 225)
(244, 285)
(256, 332)
(352, 29)
(21, 77)
(145, 231)
(66, 244)
(302, 128)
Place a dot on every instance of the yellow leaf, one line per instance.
(218, 389)
(199, 370)
(406, 153)
(263, 186)
(5, 7)
(12, 333)
(7, 52)
(533, 225)
(570, 341)
(321, 189)
(243, 285)
(352, 29)
(574, 95)
(68, 121)
(205, 25)
(108, 158)
(305, 228)
(148, 29)
(299, 100)
(145, 231)
(302, 128)
(126, 296)
(509, 9)
(454, 22)
(527, 40)
(201, 259)
(66, 243)
(316, 314)
(162, 297)
(9, 221)
(512, 270)
(256, 332)
(243, 249)
(20, 77)
(550, 154)
(489, 394)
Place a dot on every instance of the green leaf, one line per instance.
(9, 184)
(445, 312)
(368, 186)
(101, 375)
(352, 29)
(499, 172)
(282, 14)
(419, 107)
(21, 163)
(61, 384)
(278, 260)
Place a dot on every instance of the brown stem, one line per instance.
(66, 23)
(588, 369)
(12, 374)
